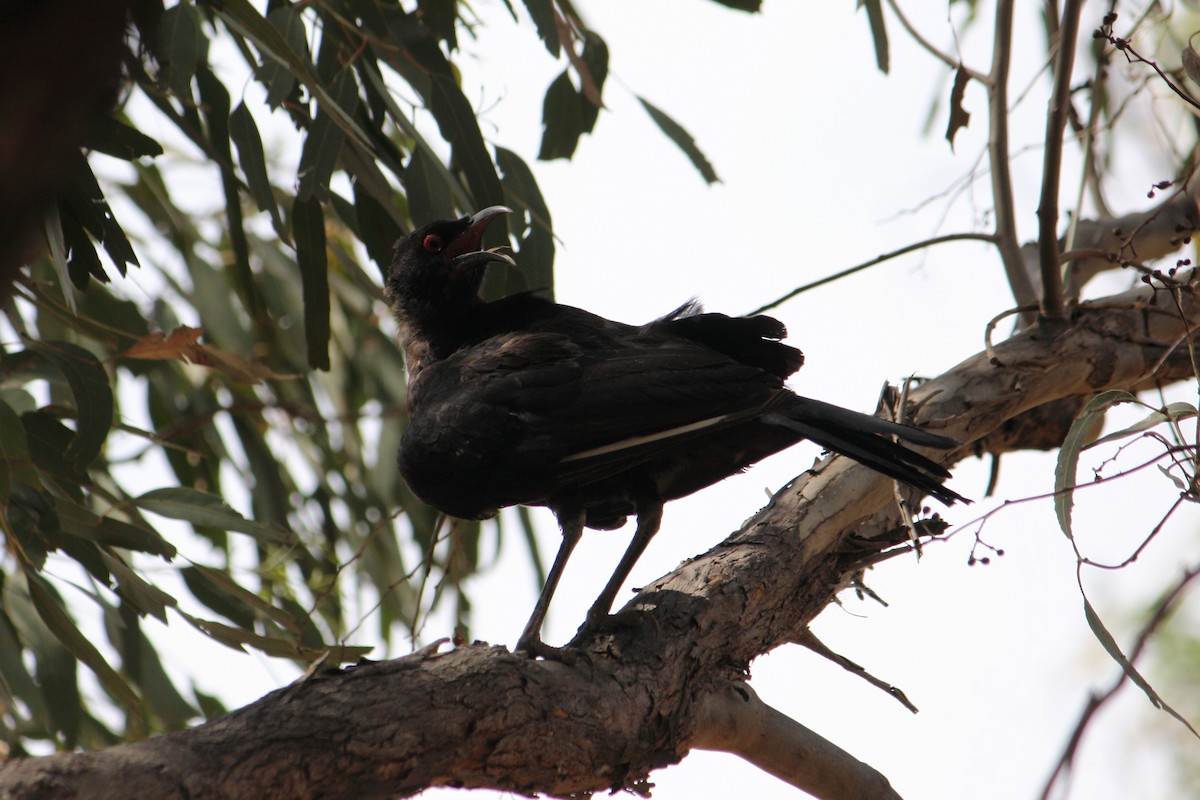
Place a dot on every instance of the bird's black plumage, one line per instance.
(525, 401)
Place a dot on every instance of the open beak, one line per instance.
(465, 251)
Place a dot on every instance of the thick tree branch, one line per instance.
(647, 688)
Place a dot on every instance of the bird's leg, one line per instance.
(649, 518)
(531, 638)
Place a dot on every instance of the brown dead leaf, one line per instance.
(183, 344)
(159, 346)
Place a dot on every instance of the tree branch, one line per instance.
(929, 47)
(1056, 122)
(736, 721)
(879, 259)
(648, 687)
(1002, 196)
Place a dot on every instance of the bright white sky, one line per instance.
(821, 159)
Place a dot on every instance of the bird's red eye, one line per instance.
(432, 243)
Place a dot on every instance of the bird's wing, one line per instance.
(529, 414)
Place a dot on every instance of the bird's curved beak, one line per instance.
(465, 251)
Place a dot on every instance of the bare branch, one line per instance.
(947, 59)
(949, 237)
(735, 720)
(1002, 193)
(809, 639)
(1052, 307)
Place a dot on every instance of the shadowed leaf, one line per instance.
(308, 228)
(878, 32)
(682, 139)
(204, 510)
(50, 609)
(93, 397)
(254, 165)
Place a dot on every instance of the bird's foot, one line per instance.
(534, 647)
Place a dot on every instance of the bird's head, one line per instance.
(438, 268)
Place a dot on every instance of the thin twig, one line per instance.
(1056, 122)
(949, 237)
(809, 640)
(932, 49)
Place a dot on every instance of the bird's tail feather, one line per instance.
(867, 440)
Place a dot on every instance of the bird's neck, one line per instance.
(432, 335)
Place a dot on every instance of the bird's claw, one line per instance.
(533, 647)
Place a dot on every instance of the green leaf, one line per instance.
(93, 398)
(57, 244)
(377, 228)
(145, 669)
(215, 105)
(543, 15)
(15, 463)
(141, 595)
(460, 127)
(594, 60)
(52, 612)
(279, 79)
(16, 682)
(1114, 650)
(440, 16)
(742, 5)
(375, 80)
(57, 698)
(225, 596)
(244, 19)
(370, 15)
(210, 706)
(180, 47)
(270, 495)
(82, 203)
(1068, 454)
(119, 140)
(429, 197)
(82, 262)
(83, 523)
(245, 136)
(236, 638)
(324, 142)
(562, 119)
(1174, 413)
(878, 32)
(682, 139)
(364, 170)
(536, 242)
(49, 440)
(308, 229)
(204, 510)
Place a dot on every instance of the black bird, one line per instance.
(525, 401)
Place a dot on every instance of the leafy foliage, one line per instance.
(246, 386)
